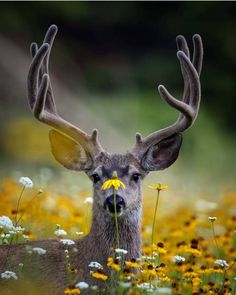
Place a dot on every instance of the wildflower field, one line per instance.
(121, 67)
(193, 249)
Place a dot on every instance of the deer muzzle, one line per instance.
(110, 203)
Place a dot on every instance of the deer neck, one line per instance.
(103, 232)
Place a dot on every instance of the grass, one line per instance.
(190, 255)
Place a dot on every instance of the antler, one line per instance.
(189, 106)
(41, 99)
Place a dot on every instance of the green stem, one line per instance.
(116, 222)
(17, 221)
(18, 204)
(154, 217)
(214, 238)
(234, 288)
(223, 280)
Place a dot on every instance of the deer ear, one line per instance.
(162, 154)
(68, 152)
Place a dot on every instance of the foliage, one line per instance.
(193, 253)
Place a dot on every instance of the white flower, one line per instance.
(60, 232)
(221, 262)
(146, 286)
(26, 181)
(15, 230)
(88, 200)
(82, 285)
(178, 258)
(125, 284)
(212, 218)
(5, 222)
(5, 236)
(95, 264)
(121, 251)
(67, 242)
(94, 288)
(18, 229)
(8, 275)
(39, 251)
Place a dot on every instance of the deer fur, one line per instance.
(76, 150)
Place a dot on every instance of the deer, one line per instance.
(76, 150)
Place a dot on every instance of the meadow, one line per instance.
(193, 250)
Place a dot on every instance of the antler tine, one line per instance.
(197, 53)
(183, 46)
(189, 106)
(48, 39)
(196, 60)
(41, 100)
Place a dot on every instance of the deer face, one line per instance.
(128, 171)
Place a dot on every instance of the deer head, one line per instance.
(76, 150)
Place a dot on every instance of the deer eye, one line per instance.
(95, 178)
(136, 177)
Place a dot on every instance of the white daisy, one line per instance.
(82, 285)
(221, 262)
(5, 222)
(178, 258)
(8, 275)
(121, 251)
(39, 251)
(88, 200)
(67, 242)
(95, 264)
(26, 181)
(60, 232)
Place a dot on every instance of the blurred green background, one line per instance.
(106, 64)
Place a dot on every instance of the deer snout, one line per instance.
(110, 204)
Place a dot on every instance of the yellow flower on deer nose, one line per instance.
(113, 181)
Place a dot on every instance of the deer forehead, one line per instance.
(124, 165)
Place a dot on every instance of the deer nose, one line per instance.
(109, 203)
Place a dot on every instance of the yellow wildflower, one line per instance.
(72, 291)
(159, 187)
(113, 263)
(113, 181)
(99, 276)
(190, 274)
(149, 273)
(194, 252)
(132, 263)
(159, 248)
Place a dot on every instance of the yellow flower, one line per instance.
(194, 252)
(149, 272)
(72, 291)
(131, 263)
(99, 276)
(159, 248)
(114, 181)
(159, 187)
(113, 263)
